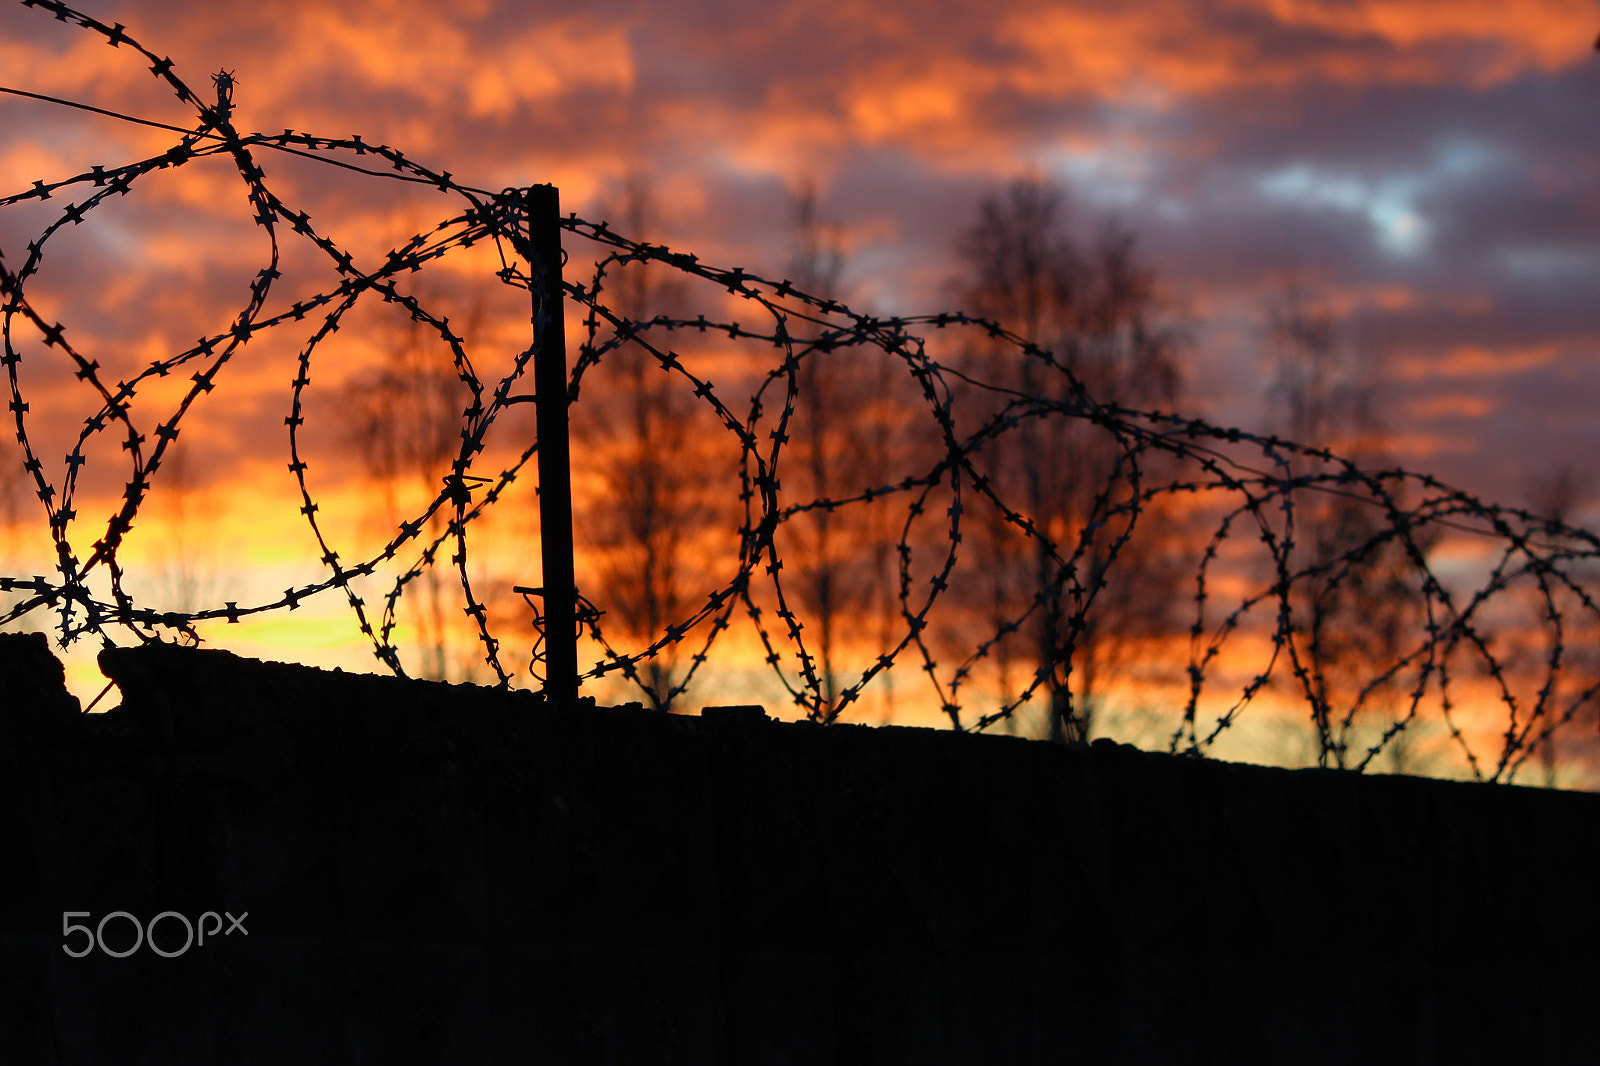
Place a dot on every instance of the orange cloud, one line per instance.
(1186, 48)
(1472, 361)
(427, 54)
(917, 102)
(1450, 405)
(1540, 34)
(1417, 449)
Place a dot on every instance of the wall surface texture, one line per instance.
(434, 873)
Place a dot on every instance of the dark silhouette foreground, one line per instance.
(445, 873)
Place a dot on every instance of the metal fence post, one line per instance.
(555, 456)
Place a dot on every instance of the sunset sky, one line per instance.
(1429, 169)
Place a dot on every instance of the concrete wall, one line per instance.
(445, 874)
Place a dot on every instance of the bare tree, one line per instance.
(636, 441)
(1571, 705)
(1358, 603)
(405, 422)
(825, 402)
(842, 442)
(1096, 309)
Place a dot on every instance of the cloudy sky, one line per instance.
(1428, 169)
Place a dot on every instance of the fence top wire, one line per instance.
(1248, 494)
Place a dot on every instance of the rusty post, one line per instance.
(555, 457)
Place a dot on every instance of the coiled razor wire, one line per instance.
(1245, 484)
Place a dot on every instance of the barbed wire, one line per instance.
(1232, 485)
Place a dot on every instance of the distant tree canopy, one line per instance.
(1095, 308)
